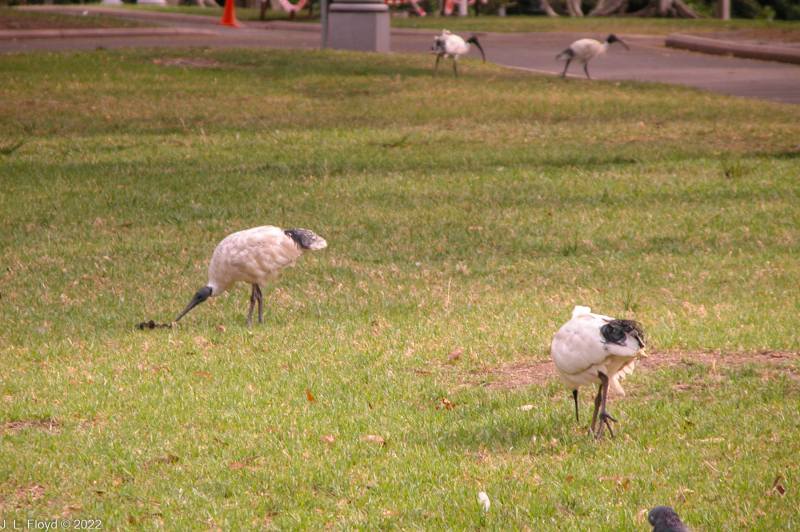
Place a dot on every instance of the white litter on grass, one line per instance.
(526, 407)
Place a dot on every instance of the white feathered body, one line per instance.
(583, 50)
(451, 45)
(253, 256)
(580, 352)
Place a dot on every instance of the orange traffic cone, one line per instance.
(228, 16)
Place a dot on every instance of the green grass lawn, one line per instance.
(470, 213)
(13, 19)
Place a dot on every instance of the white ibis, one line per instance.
(664, 519)
(585, 50)
(448, 44)
(595, 349)
(254, 256)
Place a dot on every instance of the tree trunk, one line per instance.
(545, 5)
(609, 7)
(655, 8)
(574, 8)
(667, 8)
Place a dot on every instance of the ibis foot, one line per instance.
(605, 417)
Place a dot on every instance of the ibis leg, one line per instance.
(436, 68)
(586, 69)
(564, 74)
(253, 299)
(455, 66)
(575, 396)
(597, 401)
(260, 300)
(605, 417)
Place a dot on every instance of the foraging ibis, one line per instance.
(595, 349)
(254, 256)
(448, 44)
(664, 519)
(585, 50)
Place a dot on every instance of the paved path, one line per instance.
(647, 60)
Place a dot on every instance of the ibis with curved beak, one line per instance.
(595, 349)
(584, 50)
(449, 44)
(254, 256)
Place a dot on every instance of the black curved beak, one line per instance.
(474, 40)
(623, 44)
(198, 298)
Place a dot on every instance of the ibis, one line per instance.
(584, 50)
(596, 349)
(254, 256)
(449, 44)
(665, 519)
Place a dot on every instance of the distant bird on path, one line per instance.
(585, 50)
(254, 256)
(664, 519)
(454, 46)
(595, 349)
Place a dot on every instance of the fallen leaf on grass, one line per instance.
(132, 519)
(446, 404)
(239, 465)
(776, 487)
(142, 367)
(569, 479)
(622, 483)
(390, 513)
(563, 510)
(373, 438)
(167, 459)
(525, 408)
(205, 374)
(221, 328)
(311, 398)
(455, 354)
(329, 439)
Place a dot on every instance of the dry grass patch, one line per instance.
(52, 425)
(199, 62)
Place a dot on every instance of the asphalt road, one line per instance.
(647, 60)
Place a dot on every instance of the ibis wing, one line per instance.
(578, 344)
(253, 256)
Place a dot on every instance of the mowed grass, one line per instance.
(13, 19)
(470, 213)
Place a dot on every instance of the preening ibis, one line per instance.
(585, 50)
(664, 519)
(254, 256)
(595, 349)
(448, 44)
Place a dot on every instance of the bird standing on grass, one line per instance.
(664, 519)
(584, 50)
(448, 44)
(254, 256)
(595, 349)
